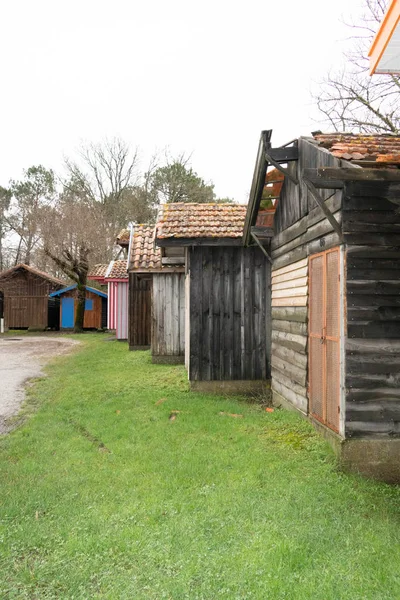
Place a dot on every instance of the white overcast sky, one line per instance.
(203, 77)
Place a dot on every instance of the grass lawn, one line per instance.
(102, 495)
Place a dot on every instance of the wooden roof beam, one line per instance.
(336, 177)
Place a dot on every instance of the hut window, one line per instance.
(88, 304)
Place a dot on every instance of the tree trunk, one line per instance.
(80, 308)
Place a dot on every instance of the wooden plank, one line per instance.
(373, 287)
(295, 301)
(371, 238)
(289, 371)
(374, 329)
(297, 400)
(289, 234)
(288, 293)
(296, 274)
(375, 313)
(290, 327)
(289, 258)
(290, 340)
(291, 267)
(325, 243)
(322, 176)
(290, 314)
(288, 355)
(293, 283)
(285, 377)
(196, 308)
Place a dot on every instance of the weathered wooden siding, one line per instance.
(139, 311)
(289, 333)
(295, 202)
(26, 300)
(371, 226)
(168, 315)
(187, 317)
(229, 314)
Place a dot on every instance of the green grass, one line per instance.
(103, 496)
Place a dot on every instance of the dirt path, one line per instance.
(22, 358)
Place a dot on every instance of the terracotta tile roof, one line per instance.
(117, 269)
(97, 271)
(187, 220)
(145, 256)
(380, 148)
(42, 274)
(123, 237)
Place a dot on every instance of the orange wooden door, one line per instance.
(324, 337)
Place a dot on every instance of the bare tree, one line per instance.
(5, 199)
(71, 238)
(30, 198)
(352, 100)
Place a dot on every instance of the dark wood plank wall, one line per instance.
(168, 315)
(229, 314)
(139, 311)
(26, 300)
(371, 226)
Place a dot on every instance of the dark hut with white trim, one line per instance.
(227, 295)
(336, 290)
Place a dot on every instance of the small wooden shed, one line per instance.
(336, 290)
(227, 295)
(95, 307)
(24, 296)
(116, 278)
(156, 299)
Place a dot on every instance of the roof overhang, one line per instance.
(384, 55)
(72, 287)
(197, 241)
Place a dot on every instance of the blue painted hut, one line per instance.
(95, 308)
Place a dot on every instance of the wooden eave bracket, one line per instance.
(273, 156)
(321, 203)
(259, 244)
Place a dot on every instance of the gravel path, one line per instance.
(21, 359)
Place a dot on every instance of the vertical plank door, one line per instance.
(324, 337)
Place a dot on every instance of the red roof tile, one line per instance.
(97, 271)
(123, 237)
(117, 269)
(187, 220)
(382, 148)
(145, 256)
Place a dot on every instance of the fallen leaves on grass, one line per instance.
(236, 416)
(268, 409)
(173, 414)
(160, 401)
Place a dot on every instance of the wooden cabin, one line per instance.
(95, 307)
(227, 296)
(156, 299)
(335, 353)
(24, 294)
(117, 280)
